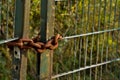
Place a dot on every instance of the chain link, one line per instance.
(40, 47)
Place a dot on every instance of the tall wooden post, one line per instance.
(19, 56)
(23, 68)
(47, 30)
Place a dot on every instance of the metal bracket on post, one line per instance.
(16, 52)
(16, 63)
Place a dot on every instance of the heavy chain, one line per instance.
(40, 47)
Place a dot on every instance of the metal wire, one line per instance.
(0, 14)
(109, 32)
(93, 24)
(8, 40)
(113, 46)
(14, 20)
(7, 19)
(98, 40)
(86, 41)
(80, 53)
(81, 41)
(101, 72)
(118, 33)
(117, 46)
(84, 68)
(75, 42)
(91, 33)
(1, 33)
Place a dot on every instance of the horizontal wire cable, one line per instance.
(91, 33)
(59, 0)
(8, 40)
(84, 68)
(69, 37)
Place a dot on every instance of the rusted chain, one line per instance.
(53, 42)
(34, 43)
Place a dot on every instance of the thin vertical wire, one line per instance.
(72, 50)
(117, 46)
(0, 14)
(83, 26)
(99, 10)
(7, 19)
(57, 69)
(81, 42)
(66, 77)
(68, 10)
(119, 25)
(74, 46)
(103, 40)
(79, 58)
(113, 47)
(114, 24)
(109, 19)
(14, 18)
(112, 33)
(75, 32)
(57, 66)
(1, 27)
(118, 33)
(87, 22)
(92, 40)
(80, 53)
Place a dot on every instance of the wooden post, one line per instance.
(19, 57)
(47, 30)
(23, 67)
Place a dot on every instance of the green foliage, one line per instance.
(72, 18)
(34, 17)
(82, 17)
(5, 62)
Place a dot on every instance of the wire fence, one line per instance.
(90, 49)
(7, 21)
(90, 46)
(11, 29)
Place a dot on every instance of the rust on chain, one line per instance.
(40, 47)
(53, 42)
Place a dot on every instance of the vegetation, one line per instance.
(73, 17)
(83, 17)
